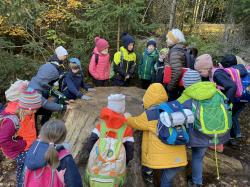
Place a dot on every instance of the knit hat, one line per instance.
(151, 42)
(203, 62)
(101, 44)
(164, 51)
(30, 100)
(228, 61)
(75, 61)
(190, 77)
(127, 39)
(176, 36)
(116, 103)
(61, 51)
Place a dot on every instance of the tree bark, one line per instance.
(172, 15)
(118, 30)
(203, 10)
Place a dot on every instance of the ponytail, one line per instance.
(51, 156)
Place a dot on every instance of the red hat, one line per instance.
(101, 44)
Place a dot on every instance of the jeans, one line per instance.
(198, 154)
(237, 108)
(20, 169)
(168, 175)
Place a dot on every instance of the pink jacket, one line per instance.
(101, 70)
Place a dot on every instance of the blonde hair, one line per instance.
(53, 132)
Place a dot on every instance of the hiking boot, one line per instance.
(234, 142)
(148, 176)
(191, 184)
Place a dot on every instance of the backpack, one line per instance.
(245, 97)
(171, 128)
(168, 75)
(13, 118)
(213, 117)
(46, 176)
(107, 161)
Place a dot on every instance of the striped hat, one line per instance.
(190, 77)
(30, 100)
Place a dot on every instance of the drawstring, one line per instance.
(216, 158)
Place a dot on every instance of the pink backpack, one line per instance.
(46, 176)
(235, 76)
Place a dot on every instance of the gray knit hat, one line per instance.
(190, 77)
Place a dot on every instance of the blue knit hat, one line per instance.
(75, 61)
(127, 39)
(191, 77)
(151, 42)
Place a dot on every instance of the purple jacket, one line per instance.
(10, 146)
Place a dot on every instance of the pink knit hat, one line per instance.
(101, 44)
(30, 100)
(203, 62)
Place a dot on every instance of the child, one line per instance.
(155, 154)
(111, 130)
(148, 59)
(42, 82)
(99, 66)
(197, 91)
(205, 67)
(159, 66)
(45, 151)
(27, 125)
(73, 81)
(124, 62)
(12, 145)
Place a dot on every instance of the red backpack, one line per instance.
(46, 176)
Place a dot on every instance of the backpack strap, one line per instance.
(63, 153)
(96, 59)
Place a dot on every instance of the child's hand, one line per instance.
(126, 114)
(61, 175)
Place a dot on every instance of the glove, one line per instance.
(85, 97)
(91, 89)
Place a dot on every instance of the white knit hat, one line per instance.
(116, 102)
(61, 51)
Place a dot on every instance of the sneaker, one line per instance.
(148, 176)
(191, 184)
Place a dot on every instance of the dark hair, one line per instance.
(53, 132)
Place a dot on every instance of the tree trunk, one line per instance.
(172, 15)
(196, 10)
(118, 30)
(203, 10)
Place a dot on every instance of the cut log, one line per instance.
(85, 115)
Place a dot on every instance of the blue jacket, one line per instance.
(72, 84)
(35, 160)
(47, 74)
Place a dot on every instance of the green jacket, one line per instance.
(146, 65)
(198, 91)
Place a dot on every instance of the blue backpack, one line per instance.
(172, 134)
(245, 97)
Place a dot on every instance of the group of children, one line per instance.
(111, 143)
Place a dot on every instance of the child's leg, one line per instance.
(168, 176)
(198, 154)
(20, 169)
(235, 131)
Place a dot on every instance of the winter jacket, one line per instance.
(159, 71)
(155, 154)
(177, 62)
(99, 70)
(113, 120)
(35, 159)
(223, 79)
(47, 74)
(72, 84)
(200, 91)
(27, 126)
(127, 66)
(10, 145)
(146, 65)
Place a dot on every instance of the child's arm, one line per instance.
(91, 141)
(128, 142)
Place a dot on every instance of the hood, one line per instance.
(95, 51)
(179, 45)
(11, 107)
(112, 119)
(152, 54)
(154, 95)
(55, 58)
(125, 51)
(199, 91)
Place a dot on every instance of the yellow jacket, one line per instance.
(155, 154)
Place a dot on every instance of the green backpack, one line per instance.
(213, 117)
